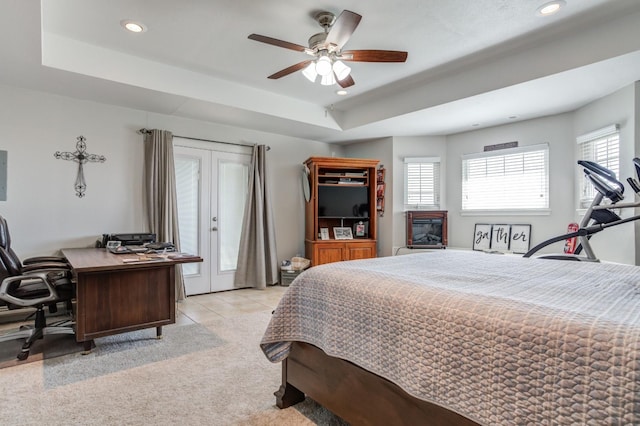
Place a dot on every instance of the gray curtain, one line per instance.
(257, 258)
(160, 193)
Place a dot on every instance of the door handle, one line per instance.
(215, 228)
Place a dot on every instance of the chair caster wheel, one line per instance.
(23, 355)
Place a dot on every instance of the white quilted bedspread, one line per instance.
(499, 339)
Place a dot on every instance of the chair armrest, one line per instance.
(39, 276)
(49, 266)
(44, 259)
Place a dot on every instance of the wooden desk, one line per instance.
(116, 297)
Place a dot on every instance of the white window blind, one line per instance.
(187, 192)
(603, 147)
(508, 179)
(422, 183)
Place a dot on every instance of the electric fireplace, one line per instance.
(427, 229)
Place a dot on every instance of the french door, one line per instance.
(211, 189)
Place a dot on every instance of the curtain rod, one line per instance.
(146, 131)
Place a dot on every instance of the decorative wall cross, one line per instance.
(81, 157)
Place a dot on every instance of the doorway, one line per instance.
(211, 187)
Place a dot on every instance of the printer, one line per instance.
(134, 243)
(137, 239)
(127, 243)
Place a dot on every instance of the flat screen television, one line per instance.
(343, 201)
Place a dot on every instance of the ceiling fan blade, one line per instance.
(342, 29)
(373, 56)
(346, 82)
(289, 70)
(276, 42)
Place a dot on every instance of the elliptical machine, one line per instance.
(598, 216)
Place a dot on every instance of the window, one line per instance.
(603, 147)
(508, 179)
(422, 183)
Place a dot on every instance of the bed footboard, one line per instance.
(356, 395)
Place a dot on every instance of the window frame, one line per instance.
(436, 183)
(507, 210)
(590, 140)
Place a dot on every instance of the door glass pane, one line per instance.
(187, 189)
(232, 194)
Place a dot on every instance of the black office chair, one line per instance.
(37, 285)
(5, 242)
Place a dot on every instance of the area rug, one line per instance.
(128, 350)
(51, 346)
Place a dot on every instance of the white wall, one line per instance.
(42, 209)
(557, 132)
(616, 243)
(381, 150)
(44, 214)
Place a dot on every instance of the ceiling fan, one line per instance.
(326, 50)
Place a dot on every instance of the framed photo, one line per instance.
(519, 241)
(113, 244)
(500, 237)
(342, 233)
(324, 233)
(482, 236)
(380, 175)
(380, 190)
(360, 229)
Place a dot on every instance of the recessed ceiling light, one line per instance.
(133, 26)
(550, 8)
(341, 92)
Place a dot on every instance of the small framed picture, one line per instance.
(324, 233)
(342, 233)
(113, 244)
(360, 229)
(482, 236)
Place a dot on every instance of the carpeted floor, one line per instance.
(199, 374)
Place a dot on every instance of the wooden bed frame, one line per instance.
(356, 395)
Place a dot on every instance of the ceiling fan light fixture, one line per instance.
(326, 50)
(328, 80)
(323, 66)
(310, 72)
(341, 70)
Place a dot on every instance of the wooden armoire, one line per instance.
(340, 214)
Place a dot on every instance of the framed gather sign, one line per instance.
(519, 240)
(482, 237)
(502, 237)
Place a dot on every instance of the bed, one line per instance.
(462, 337)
